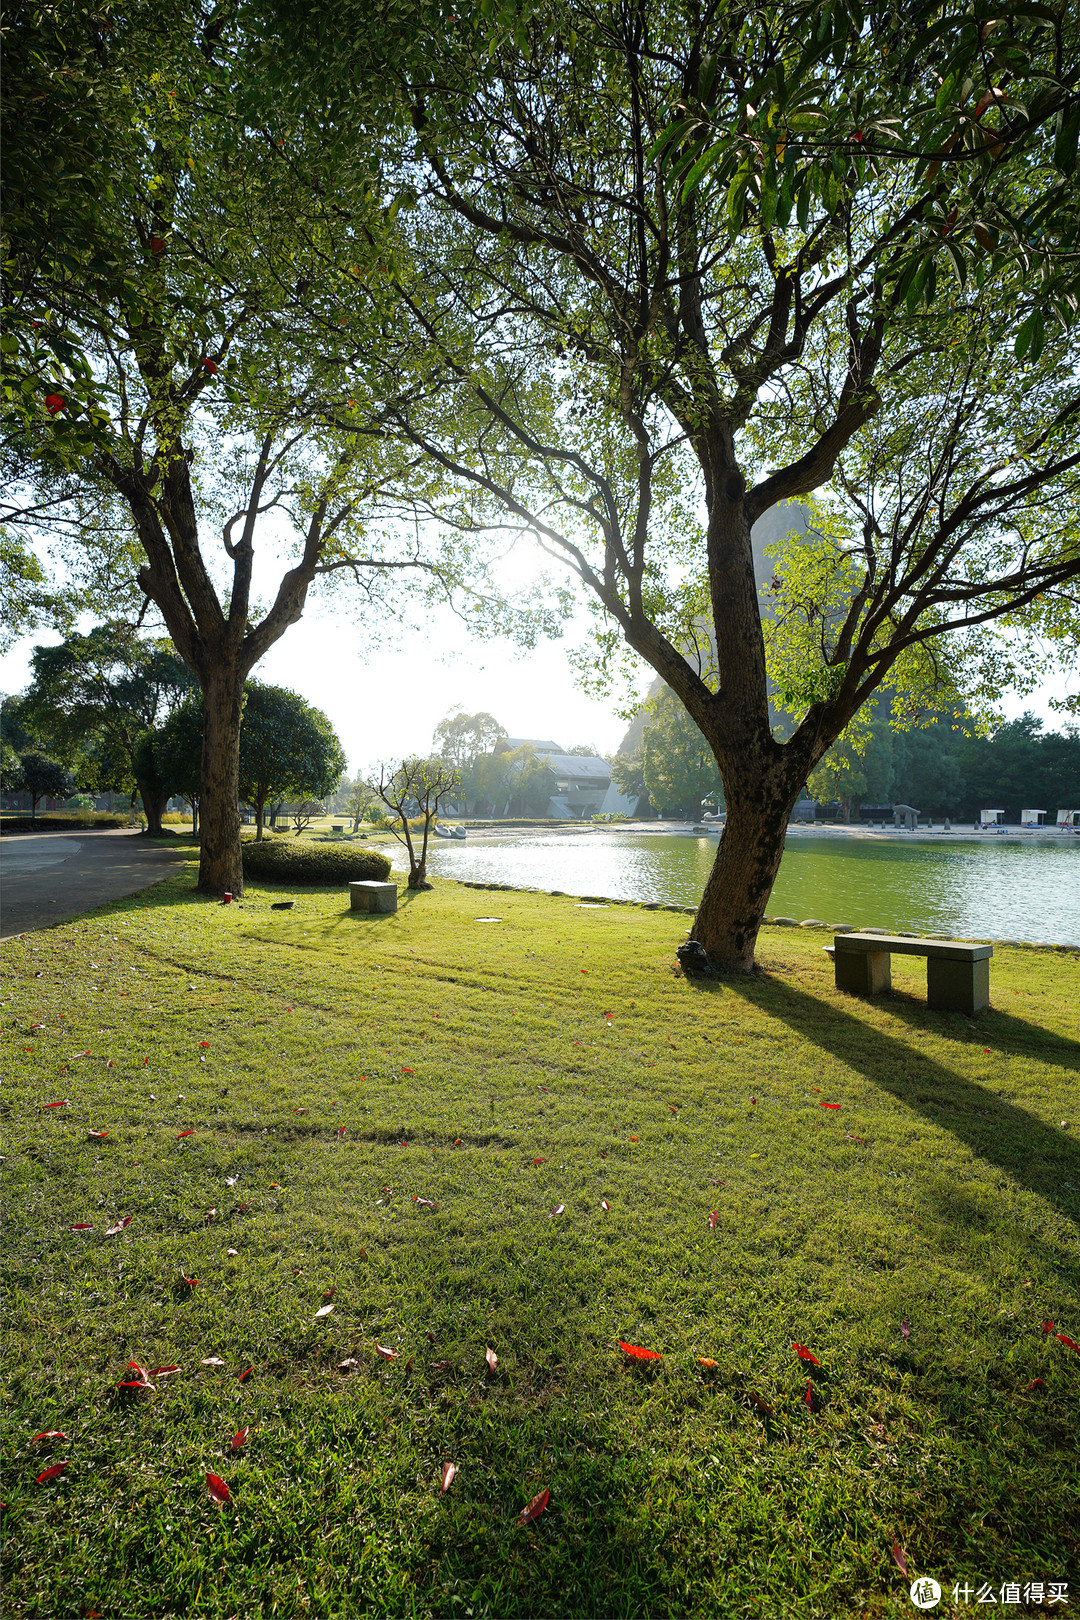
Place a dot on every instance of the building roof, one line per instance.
(580, 767)
(537, 744)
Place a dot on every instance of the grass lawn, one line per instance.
(460, 1134)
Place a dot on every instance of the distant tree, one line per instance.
(354, 799)
(95, 695)
(410, 790)
(177, 753)
(856, 770)
(678, 765)
(530, 780)
(42, 778)
(11, 771)
(628, 774)
(303, 814)
(288, 750)
(584, 751)
(153, 785)
(461, 739)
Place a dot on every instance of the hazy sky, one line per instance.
(387, 705)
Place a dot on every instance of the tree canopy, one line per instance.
(288, 749)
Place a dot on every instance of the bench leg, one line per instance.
(957, 986)
(863, 973)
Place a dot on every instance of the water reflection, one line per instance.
(1004, 890)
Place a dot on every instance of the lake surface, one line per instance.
(977, 889)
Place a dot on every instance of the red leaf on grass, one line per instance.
(804, 1354)
(633, 1139)
(49, 1434)
(163, 1372)
(341, 1130)
(96, 1136)
(830, 1105)
(899, 1557)
(491, 1358)
(449, 1469)
(712, 1220)
(181, 1134)
(424, 1203)
(604, 1204)
(636, 1350)
(1048, 1326)
(1036, 1383)
(218, 1491)
(328, 1296)
(118, 1226)
(386, 1353)
(539, 1502)
(192, 1282)
(408, 1071)
(62, 1104)
(82, 1226)
(558, 1210)
(243, 1377)
(1072, 1344)
(240, 1438)
(204, 1043)
(707, 1361)
(50, 1473)
(905, 1329)
(539, 1161)
(809, 1396)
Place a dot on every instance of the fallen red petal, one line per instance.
(49, 1434)
(830, 1105)
(111, 1231)
(1048, 1326)
(905, 1329)
(181, 1134)
(713, 1219)
(163, 1372)
(82, 1226)
(243, 1377)
(804, 1354)
(218, 1490)
(51, 1473)
(539, 1161)
(389, 1355)
(899, 1557)
(97, 1136)
(240, 1438)
(62, 1104)
(636, 1350)
(539, 1502)
(809, 1396)
(1072, 1344)
(1036, 1383)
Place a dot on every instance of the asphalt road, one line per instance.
(47, 878)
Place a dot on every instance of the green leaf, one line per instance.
(1066, 140)
(701, 168)
(1025, 336)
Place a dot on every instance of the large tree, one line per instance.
(95, 695)
(288, 749)
(654, 364)
(190, 326)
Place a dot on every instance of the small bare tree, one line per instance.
(413, 789)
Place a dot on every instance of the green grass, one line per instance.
(943, 1192)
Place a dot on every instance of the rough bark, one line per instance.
(154, 800)
(220, 865)
(260, 811)
(737, 894)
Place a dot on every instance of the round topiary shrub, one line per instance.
(300, 861)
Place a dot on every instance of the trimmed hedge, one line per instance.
(68, 820)
(301, 861)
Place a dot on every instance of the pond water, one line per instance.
(1008, 889)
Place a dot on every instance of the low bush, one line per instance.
(301, 861)
(64, 821)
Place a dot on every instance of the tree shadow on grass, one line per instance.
(1030, 1152)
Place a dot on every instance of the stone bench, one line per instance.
(371, 896)
(957, 975)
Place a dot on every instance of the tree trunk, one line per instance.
(740, 883)
(153, 803)
(260, 810)
(194, 817)
(220, 866)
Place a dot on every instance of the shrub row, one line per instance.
(65, 820)
(301, 861)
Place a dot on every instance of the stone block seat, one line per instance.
(371, 896)
(957, 975)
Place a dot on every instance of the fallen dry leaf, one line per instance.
(539, 1502)
(163, 1372)
(805, 1355)
(424, 1203)
(82, 1226)
(96, 1136)
(384, 1351)
(330, 1292)
(707, 1361)
(558, 1210)
(48, 1434)
(348, 1364)
(712, 1220)
(111, 1231)
(1036, 1383)
(491, 1358)
(50, 1473)
(761, 1404)
(218, 1491)
(211, 1361)
(905, 1329)
(604, 1204)
(900, 1558)
(242, 1378)
(231, 1254)
(642, 1355)
(1072, 1344)
(240, 1438)
(323, 1310)
(449, 1469)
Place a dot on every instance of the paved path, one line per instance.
(46, 878)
